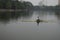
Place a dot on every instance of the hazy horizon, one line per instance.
(46, 2)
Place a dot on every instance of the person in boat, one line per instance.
(38, 20)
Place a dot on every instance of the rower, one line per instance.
(38, 20)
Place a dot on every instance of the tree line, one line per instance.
(10, 4)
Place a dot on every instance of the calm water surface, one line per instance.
(14, 29)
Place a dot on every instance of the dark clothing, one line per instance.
(38, 21)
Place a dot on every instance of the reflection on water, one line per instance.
(12, 27)
(7, 16)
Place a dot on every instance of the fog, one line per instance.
(46, 2)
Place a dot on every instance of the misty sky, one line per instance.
(46, 2)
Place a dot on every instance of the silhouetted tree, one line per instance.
(14, 4)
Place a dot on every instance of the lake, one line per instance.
(12, 27)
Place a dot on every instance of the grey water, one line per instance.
(12, 27)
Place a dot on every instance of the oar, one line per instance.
(46, 21)
(28, 21)
(33, 21)
(50, 21)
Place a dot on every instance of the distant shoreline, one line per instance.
(11, 10)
